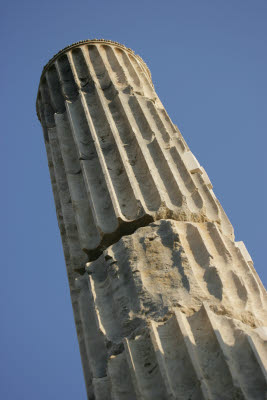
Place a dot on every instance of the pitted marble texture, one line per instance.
(171, 264)
(177, 311)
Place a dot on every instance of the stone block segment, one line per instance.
(125, 162)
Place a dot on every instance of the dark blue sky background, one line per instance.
(208, 61)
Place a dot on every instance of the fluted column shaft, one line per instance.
(120, 167)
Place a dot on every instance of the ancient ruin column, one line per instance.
(166, 304)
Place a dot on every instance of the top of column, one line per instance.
(94, 41)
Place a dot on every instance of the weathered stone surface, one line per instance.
(171, 264)
(166, 304)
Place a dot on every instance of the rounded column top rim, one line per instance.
(93, 41)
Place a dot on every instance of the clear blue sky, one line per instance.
(208, 61)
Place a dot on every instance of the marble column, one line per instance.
(166, 304)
